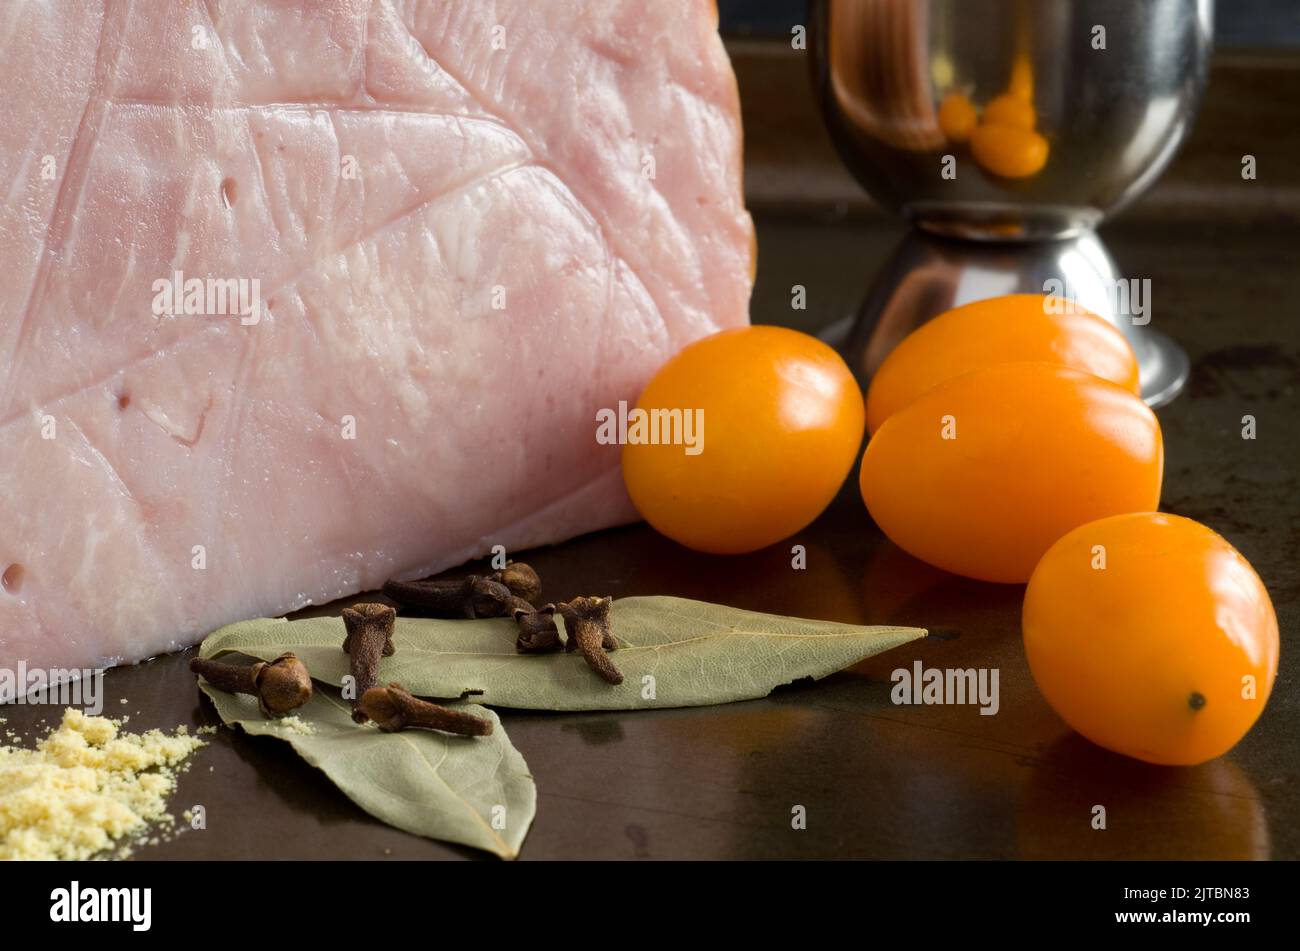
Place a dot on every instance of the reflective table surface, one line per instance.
(877, 780)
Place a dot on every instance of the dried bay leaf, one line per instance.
(454, 788)
(697, 654)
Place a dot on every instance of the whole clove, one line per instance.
(281, 686)
(521, 579)
(369, 636)
(474, 596)
(538, 633)
(471, 597)
(586, 621)
(487, 598)
(394, 708)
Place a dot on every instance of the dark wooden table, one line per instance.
(879, 780)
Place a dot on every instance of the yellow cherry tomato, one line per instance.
(1005, 329)
(981, 474)
(1008, 109)
(1008, 151)
(956, 117)
(1151, 636)
(782, 421)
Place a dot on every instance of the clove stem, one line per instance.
(470, 597)
(394, 708)
(369, 636)
(231, 678)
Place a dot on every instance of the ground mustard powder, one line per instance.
(86, 787)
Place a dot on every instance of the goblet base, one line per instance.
(928, 274)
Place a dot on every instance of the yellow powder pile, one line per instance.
(85, 788)
(295, 724)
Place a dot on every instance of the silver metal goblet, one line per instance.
(1005, 131)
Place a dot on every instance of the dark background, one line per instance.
(1237, 23)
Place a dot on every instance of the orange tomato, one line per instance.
(981, 474)
(782, 423)
(956, 117)
(1010, 109)
(1008, 151)
(998, 330)
(1151, 636)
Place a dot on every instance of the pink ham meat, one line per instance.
(474, 224)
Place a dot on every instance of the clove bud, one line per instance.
(394, 708)
(473, 596)
(586, 621)
(537, 631)
(521, 579)
(281, 686)
(369, 636)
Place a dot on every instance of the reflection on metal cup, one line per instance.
(1079, 105)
